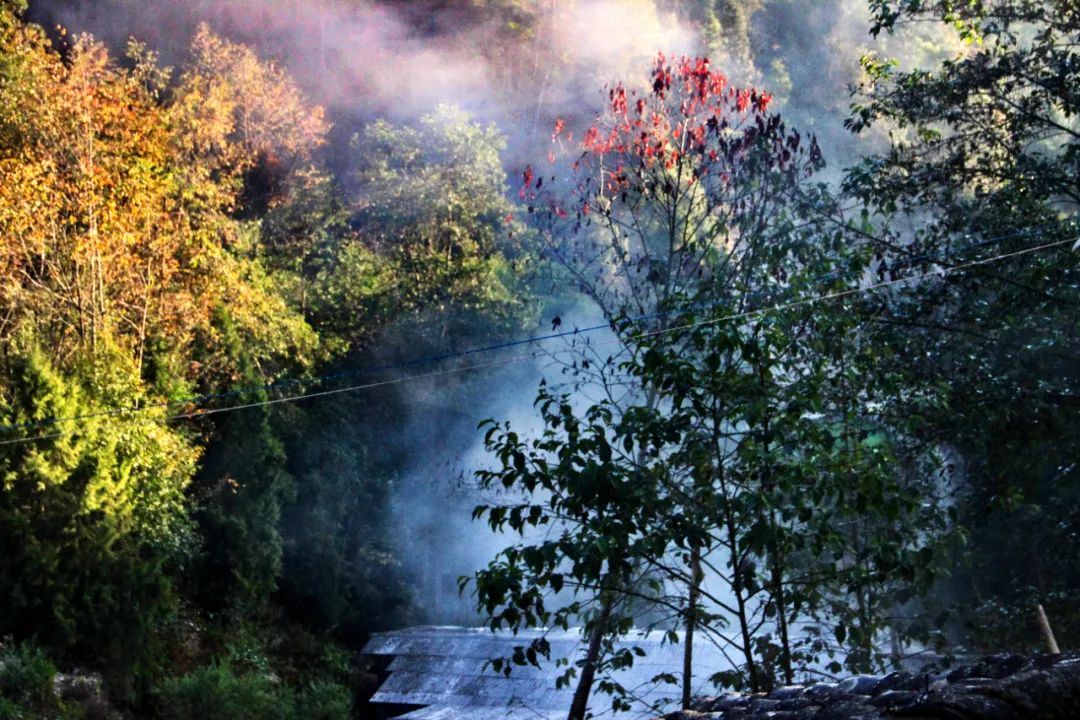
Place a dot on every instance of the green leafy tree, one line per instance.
(984, 160)
(743, 465)
(26, 682)
(94, 515)
(726, 28)
(432, 200)
(243, 483)
(340, 575)
(990, 134)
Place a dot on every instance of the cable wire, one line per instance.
(638, 336)
(198, 399)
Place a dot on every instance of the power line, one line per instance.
(651, 333)
(858, 290)
(427, 360)
(198, 414)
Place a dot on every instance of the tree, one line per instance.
(111, 233)
(431, 200)
(984, 157)
(243, 120)
(742, 463)
(125, 261)
(93, 520)
(725, 26)
(341, 575)
(991, 132)
(724, 436)
(242, 486)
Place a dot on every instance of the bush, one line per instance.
(12, 711)
(220, 692)
(217, 692)
(26, 678)
(323, 700)
(92, 524)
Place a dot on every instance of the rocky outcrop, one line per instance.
(83, 695)
(999, 687)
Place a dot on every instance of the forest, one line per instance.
(753, 321)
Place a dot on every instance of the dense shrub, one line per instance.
(27, 685)
(220, 692)
(323, 700)
(92, 522)
(10, 710)
(26, 677)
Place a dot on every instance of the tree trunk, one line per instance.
(781, 618)
(580, 702)
(691, 624)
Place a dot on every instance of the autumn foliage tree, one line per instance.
(673, 185)
(129, 279)
(108, 229)
(243, 122)
(171, 241)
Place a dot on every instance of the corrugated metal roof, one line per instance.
(442, 668)
(456, 713)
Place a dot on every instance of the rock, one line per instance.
(787, 692)
(736, 714)
(825, 692)
(894, 699)
(952, 704)
(849, 710)
(797, 703)
(901, 680)
(992, 666)
(78, 687)
(85, 694)
(727, 702)
(763, 705)
(860, 684)
(975, 682)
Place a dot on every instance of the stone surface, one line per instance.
(78, 687)
(997, 687)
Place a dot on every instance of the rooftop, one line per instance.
(441, 671)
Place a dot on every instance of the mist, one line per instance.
(394, 61)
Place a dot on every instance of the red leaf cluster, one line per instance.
(689, 125)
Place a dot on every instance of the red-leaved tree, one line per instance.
(673, 186)
(686, 198)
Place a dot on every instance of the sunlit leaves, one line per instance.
(88, 520)
(237, 110)
(108, 229)
(429, 201)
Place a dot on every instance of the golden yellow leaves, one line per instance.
(236, 108)
(116, 205)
